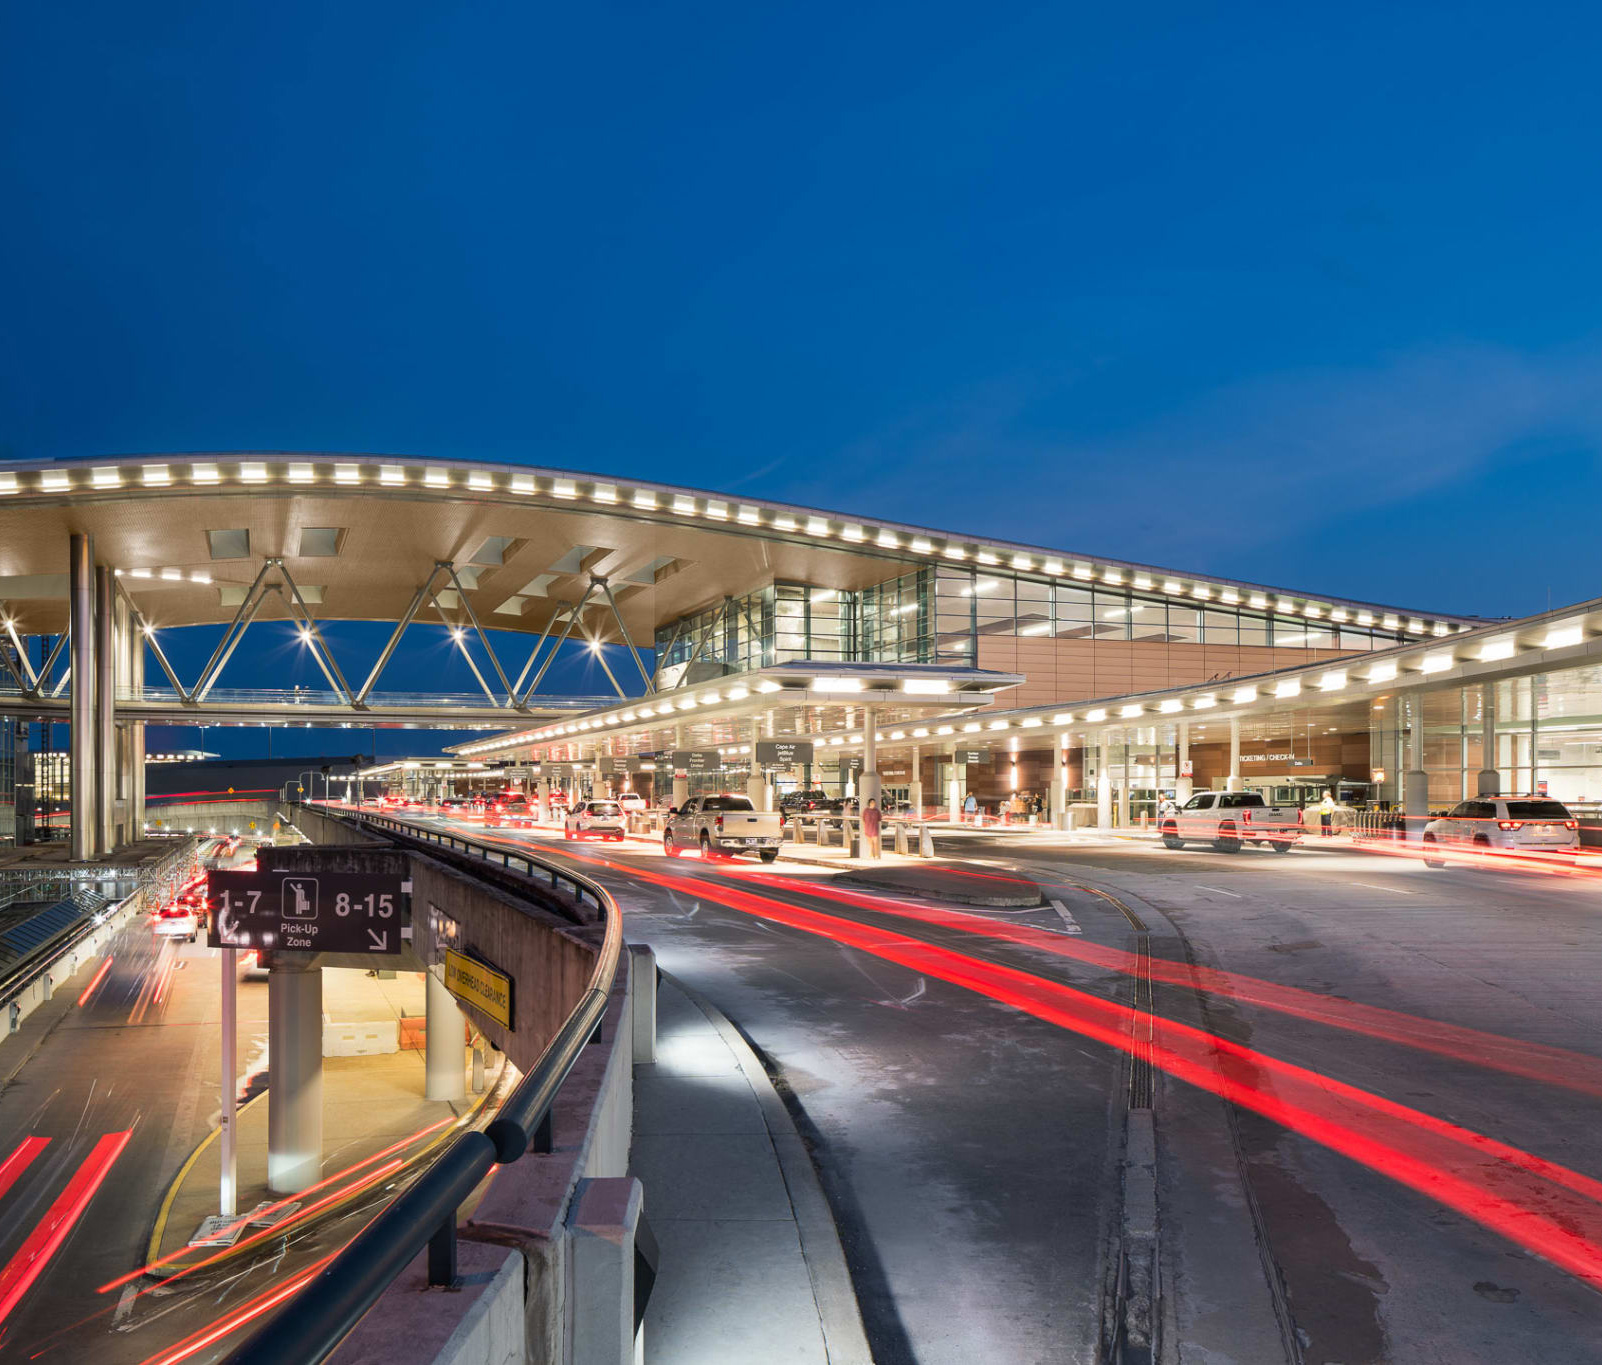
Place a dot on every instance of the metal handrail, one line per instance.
(338, 1296)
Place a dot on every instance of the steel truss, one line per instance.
(274, 578)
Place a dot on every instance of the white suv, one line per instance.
(594, 819)
(1522, 824)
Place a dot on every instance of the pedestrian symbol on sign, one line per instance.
(300, 898)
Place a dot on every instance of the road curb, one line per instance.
(835, 1296)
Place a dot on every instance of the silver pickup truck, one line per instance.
(723, 824)
(1226, 820)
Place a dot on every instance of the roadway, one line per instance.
(1353, 1174)
(105, 1091)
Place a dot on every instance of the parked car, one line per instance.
(1228, 820)
(633, 803)
(1526, 824)
(814, 799)
(723, 824)
(594, 820)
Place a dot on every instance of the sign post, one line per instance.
(228, 1194)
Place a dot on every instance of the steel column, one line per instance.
(81, 607)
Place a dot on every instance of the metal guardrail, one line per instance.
(581, 888)
(336, 1299)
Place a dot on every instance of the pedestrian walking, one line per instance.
(970, 807)
(871, 828)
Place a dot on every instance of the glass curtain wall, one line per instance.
(937, 615)
(970, 603)
(1548, 740)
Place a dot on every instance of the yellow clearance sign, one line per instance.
(482, 987)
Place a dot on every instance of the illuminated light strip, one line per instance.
(90, 989)
(60, 1218)
(1445, 1164)
(19, 1161)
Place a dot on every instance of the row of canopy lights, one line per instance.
(654, 501)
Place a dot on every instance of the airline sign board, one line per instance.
(314, 912)
(784, 753)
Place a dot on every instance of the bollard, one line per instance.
(925, 842)
(901, 839)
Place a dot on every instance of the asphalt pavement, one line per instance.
(1373, 1090)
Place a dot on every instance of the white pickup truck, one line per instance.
(1226, 820)
(723, 824)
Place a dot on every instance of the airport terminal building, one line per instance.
(750, 644)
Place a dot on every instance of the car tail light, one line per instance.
(1248, 815)
(781, 819)
(720, 824)
(1510, 824)
(1571, 824)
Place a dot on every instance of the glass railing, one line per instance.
(377, 701)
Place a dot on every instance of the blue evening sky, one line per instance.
(1302, 294)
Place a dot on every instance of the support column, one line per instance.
(1059, 783)
(1232, 783)
(1416, 788)
(1489, 782)
(544, 807)
(294, 1077)
(868, 787)
(135, 642)
(915, 787)
(953, 792)
(105, 713)
(681, 782)
(1183, 786)
(1103, 783)
(757, 785)
(81, 609)
(444, 1070)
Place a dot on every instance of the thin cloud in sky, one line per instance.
(1283, 454)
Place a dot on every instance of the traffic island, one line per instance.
(961, 882)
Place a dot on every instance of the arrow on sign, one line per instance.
(379, 941)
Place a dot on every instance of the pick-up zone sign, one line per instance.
(314, 912)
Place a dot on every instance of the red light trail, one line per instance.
(1544, 1207)
(1550, 1065)
(19, 1161)
(94, 983)
(51, 1230)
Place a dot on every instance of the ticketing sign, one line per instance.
(315, 912)
(784, 753)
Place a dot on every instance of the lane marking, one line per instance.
(1218, 890)
(1391, 889)
(60, 1218)
(1070, 924)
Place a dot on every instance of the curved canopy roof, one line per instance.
(361, 533)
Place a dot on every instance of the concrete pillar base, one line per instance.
(295, 1077)
(1488, 782)
(443, 1044)
(1416, 802)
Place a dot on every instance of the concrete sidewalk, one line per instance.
(751, 1262)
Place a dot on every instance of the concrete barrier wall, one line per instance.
(529, 1253)
(220, 815)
